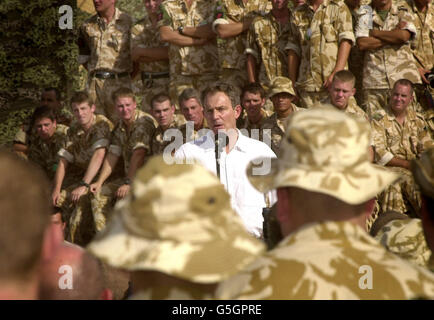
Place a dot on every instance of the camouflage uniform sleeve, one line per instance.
(137, 36)
(164, 19)
(293, 42)
(407, 16)
(345, 25)
(66, 152)
(382, 155)
(220, 15)
(21, 136)
(252, 45)
(364, 21)
(115, 145)
(142, 138)
(101, 136)
(424, 137)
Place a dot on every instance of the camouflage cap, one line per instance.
(423, 172)
(325, 150)
(280, 84)
(177, 220)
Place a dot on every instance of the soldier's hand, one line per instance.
(422, 72)
(401, 25)
(95, 187)
(122, 191)
(77, 193)
(55, 196)
(329, 80)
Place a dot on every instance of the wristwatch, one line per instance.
(181, 30)
(127, 181)
(83, 184)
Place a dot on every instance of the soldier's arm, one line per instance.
(251, 68)
(107, 168)
(58, 179)
(293, 64)
(20, 149)
(137, 160)
(173, 37)
(397, 162)
(94, 165)
(343, 53)
(150, 54)
(201, 32)
(231, 28)
(369, 43)
(391, 37)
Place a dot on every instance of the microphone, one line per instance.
(221, 140)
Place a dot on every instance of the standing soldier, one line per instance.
(233, 19)
(423, 52)
(87, 140)
(49, 139)
(150, 55)
(388, 56)
(318, 46)
(266, 41)
(187, 26)
(105, 46)
(131, 140)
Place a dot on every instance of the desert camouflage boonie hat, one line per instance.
(325, 150)
(423, 172)
(177, 220)
(281, 84)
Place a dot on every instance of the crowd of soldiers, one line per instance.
(313, 82)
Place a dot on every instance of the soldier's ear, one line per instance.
(92, 108)
(353, 91)
(237, 111)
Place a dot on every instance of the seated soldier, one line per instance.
(191, 108)
(50, 98)
(49, 139)
(400, 135)
(163, 110)
(87, 140)
(131, 139)
(281, 94)
(423, 173)
(326, 187)
(253, 101)
(176, 233)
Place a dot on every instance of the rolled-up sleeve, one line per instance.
(66, 155)
(382, 155)
(345, 25)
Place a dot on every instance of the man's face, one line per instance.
(48, 99)
(253, 103)
(279, 4)
(400, 98)
(340, 92)
(281, 102)
(152, 5)
(125, 108)
(103, 5)
(83, 113)
(45, 128)
(219, 112)
(192, 111)
(163, 112)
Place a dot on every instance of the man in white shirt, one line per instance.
(221, 109)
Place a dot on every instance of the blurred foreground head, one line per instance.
(177, 224)
(24, 218)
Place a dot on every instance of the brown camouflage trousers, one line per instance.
(234, 77)
(103, 202)
(402, 196)
(101, 90)
(427, 110)
(179, 83)
(308, 99)
(377, 99)
(80, 228)
(144, 92)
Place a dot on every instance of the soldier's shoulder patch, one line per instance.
(377, 116)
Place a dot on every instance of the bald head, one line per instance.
(73, 274)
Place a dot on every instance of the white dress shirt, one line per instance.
(245, 199)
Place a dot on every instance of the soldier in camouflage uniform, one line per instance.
(151, 56)
(253, 101)
(400, 135)
(423, 52)
(233, 19)
(105, 50)
(404, 237)
(423, 173)
(49, 139)
(318, 46)
(51, 98)
(175, 251)
(163, 110)
(326, 254)
(187, 26)
(266, 40)
(87, 140)
(388, 56)
(131, 140)
(191, 108)
(281, 94)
